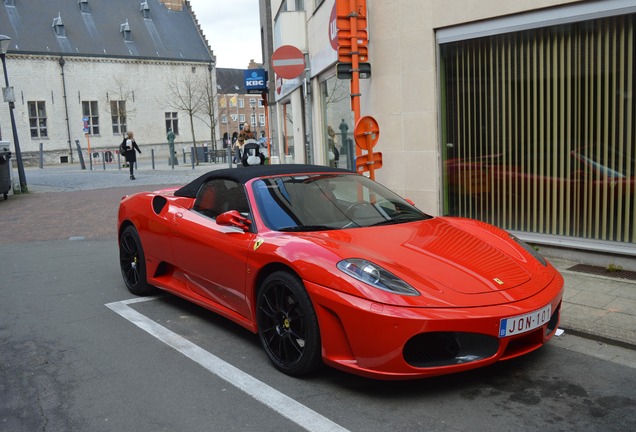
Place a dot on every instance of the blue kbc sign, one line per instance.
(255, 81)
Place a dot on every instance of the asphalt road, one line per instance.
(70, 362)
(78, 352)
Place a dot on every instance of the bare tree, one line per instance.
(208, 112)
(184, 94)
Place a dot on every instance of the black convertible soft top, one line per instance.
(243, 175)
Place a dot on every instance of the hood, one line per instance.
(452, 262)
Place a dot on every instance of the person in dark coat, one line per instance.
(129, 146)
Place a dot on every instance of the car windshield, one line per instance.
(614, 163)
(329, 201)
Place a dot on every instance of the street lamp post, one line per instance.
(9, 97)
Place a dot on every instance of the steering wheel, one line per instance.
(356, 205)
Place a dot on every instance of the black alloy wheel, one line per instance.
(287, 325)
(132, 262)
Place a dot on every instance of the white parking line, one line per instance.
(282, 404)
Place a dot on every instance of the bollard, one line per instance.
(185, 161)
(192, 156)
(152, 157)
(229, 157)
(41, 155)
(79, 153)
(104, 161)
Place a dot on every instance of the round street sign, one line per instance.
(288, 62)
(366, 133)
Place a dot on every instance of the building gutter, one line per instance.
(61, 61)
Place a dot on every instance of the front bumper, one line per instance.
(388, 342)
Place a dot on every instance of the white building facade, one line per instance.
(90, 72)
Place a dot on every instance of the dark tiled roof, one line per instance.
(166, 34)
(230, 81)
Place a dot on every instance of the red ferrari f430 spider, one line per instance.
(329, 267)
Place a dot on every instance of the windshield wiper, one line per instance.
(409, 217)
(300, 228)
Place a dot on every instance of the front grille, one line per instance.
(448, 348)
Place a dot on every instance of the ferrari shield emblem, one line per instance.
(499, 281)
(258, 243)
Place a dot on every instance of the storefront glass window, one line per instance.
(338, 123)
(288, 133)
(539, 129)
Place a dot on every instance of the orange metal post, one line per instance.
(355, 64)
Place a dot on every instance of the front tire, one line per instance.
(133, 262)
(287, 325)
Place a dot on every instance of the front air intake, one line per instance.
(448, 348)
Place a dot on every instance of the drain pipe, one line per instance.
(68, 126)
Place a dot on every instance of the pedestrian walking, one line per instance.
(128, 147)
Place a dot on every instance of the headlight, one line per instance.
(530, 250)
(371, 274)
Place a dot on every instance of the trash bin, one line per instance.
(5, 172)
(203, 154)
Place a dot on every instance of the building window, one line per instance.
(118, 116)
(252, 102)
(338, 127)
(253, 120)
(37, 119)
(241, 103)
(261, 119)
(90, 112)
(233, 101)
(539, 129)
(224, 118)
(288, 131)
(242, 118)
(172, 122)
(260, 103)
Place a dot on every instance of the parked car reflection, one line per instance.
(590, 193)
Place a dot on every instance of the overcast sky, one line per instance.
(232, 29)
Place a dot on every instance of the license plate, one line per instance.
(524, 323)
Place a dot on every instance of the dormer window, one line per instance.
(125, 30)
(58, 26)
(145, 9)
(9, 2)
(83, 5)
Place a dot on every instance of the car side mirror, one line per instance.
(233, 218)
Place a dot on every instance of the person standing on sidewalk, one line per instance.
(245, 134)
(128, 147)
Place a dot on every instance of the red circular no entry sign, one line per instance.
(288, 62)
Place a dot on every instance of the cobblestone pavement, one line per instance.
(66, 202)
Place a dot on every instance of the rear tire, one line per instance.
(133, 263)
(287, 325)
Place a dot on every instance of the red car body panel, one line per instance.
(470, 275)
